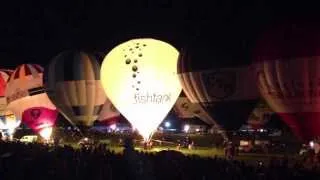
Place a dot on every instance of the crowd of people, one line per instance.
(20, 161)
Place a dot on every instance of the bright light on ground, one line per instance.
(186, 128)
(46, 133)
(113, 127)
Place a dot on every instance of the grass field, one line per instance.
(204, 146)
(251, 158)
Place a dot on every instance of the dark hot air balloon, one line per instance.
(220, 78)
(288, 65)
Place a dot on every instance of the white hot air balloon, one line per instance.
(140, 78)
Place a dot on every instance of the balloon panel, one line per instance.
(231, 115)
(291, 85)
(3, 103)
(72, 82)
(287, 58)
(3, 84)
(305, 125)
(185, 109)
(20, 88)
(140, 78)
(25, 89)
(227, 94)
(38, 118)
(4, 76)
(80, 101)
(108, 111)
(228, 84)
(20, 105)
(292, 88)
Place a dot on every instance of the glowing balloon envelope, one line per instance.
(140, 78)
(25, 92)
(8, 123)
(40, 119)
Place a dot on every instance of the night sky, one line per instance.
(35, 31)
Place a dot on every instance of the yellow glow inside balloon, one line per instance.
(140, 78)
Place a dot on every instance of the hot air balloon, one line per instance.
(140, 79)
(8, 121)
(219, 80)
(25, 93)
(8, 124)
(109, 114)
(73, 84)
(288, 68)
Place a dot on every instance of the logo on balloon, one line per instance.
(185, 106)
(151, 98)
(197, 111)
(221, 84)
(35, 114)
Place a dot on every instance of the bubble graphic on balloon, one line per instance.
(128, 61)
(134, 68)
(145, 104)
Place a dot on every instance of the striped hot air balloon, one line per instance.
(288, 65)
(73, 83)
(25, 89)
(220, 79)
(28, 100)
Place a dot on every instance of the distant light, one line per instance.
(261, 130)
(113, 126)
(186, 128)
(46, 133)
(167, 124)
(311, 144)
(197, 129)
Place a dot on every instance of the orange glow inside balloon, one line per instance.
(140, 78)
